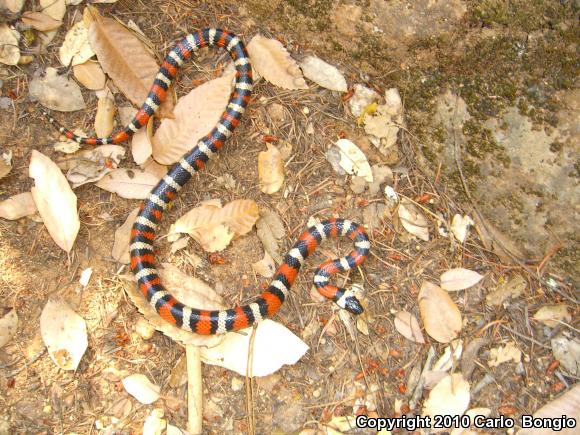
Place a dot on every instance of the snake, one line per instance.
(143, 261)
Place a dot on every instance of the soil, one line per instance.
(490, 94)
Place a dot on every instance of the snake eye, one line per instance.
(352, 305)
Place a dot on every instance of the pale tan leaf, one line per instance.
(55, 200)
(408, 326)
(413, 220)
(440, 315)
(567, 404)
(274, 63)
(553, 315)
(92, 164)
(141, 388)
(125, 59)
(13, 6)
(273, 346)
(270, 170)
(105, 117)
(9, 51)
(90, 75)
(511, 289)
(53, 8)
(141, 143)
(459, 279)
(40, 21)
(5, 163)
(128, 183)
(157, 169)
(270, 229)
(460, 226)
(265, 267)
(323, 74)
(195, 115)
(17, 206)
(566, 349)
(8, 327)
(213, 226)
(120, 250)
(503, 354)
(186, 289)
(64, 333)
(450, 396)
(57, 92)
(353, 160)
(76, 48)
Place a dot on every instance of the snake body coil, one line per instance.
(143, 233)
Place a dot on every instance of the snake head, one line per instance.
(352, 305)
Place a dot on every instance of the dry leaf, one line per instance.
(105, 118)
(76, 48)
(500, 355)
(5, 163)
(567, 404)
(86, 276)
(125, 59)
(57, 92)
(17, 206)
(120, 250)
(141, 388)
(270, 229)
(55, 200)
(450, 396)
(90, 75)
(353, 160)
(40, 21)
(141, 143)
(459, 279)
(53, 8)
(92, 164)
(13, 6)
(195, 115)
(128, 183)
(567, 351)
(408, 326)
(470, 354)
(323, 74)
(64, 333)
(213, 226)
(440, 315)
(460, 226)
(9, 51)
(265, 267)
(273, 62)
(413, 220)
(8, 327)
(270, 170)
(553, 315)
(190, 291)
(273, 346)
(511, 289)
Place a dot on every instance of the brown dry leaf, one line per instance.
(125, 59)
(55, 200)
(53, 8)
(8, 327)
(567, 404)
(186, 289)
(64, 333)
(413, 220)
(5, 163)
(450, 396)
(553, 315)
(408, 326)
(459, 279)
(57, 92)
(40, 21)
(128, 183)
(120, 250)
(9, 51)
(76, 48)
(273, 62)
(90, 75)
(213, 226)
(17, 206)
(270, 229)
(105, 118)
(157, 169)
(265, 267)
(195, 115)
(141, 143)
(507, 353)
(270, 170)
(440, 315)
(511, 289)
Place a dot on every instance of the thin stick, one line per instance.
(194, 390)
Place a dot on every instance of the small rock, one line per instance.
(144, 329)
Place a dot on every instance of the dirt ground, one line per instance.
(491, 108)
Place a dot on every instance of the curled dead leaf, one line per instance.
(120, 250)
(105, 118)
(408, 326)
(17, 206)
(270, 170)
(40, 21)
(90, 75)
(440, 315)
(413, 220)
